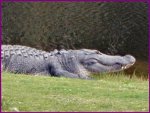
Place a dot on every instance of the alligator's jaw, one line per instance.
(126, 66)
(105, 63)
(117, 67)
(112, 68)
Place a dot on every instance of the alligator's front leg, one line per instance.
(67, 74)
(59, 72)
(63, 73)
(67, 68)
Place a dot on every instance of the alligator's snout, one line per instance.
(129, 61)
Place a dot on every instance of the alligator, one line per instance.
(67, 63)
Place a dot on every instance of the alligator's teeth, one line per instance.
(125, 67)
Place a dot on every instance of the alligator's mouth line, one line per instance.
(116, 66)
(119, 65)
(122, 67)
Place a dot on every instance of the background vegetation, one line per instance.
(113, 28)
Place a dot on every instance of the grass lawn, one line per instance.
(43, 93)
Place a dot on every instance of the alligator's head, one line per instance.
(96, 62)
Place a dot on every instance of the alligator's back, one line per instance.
(9, 50)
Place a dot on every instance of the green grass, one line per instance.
(42, 93)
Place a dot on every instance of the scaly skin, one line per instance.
(71, 63)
